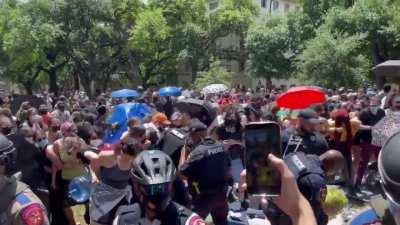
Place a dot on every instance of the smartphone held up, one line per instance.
(262, 139)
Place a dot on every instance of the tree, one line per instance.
(334, 61)
(316, 9)
(90, 39)
(215, 75)
(152, 39)
(232, 17)
(376, 19)
(274, 43)
(27, 38)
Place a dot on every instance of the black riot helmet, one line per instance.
(389, 168)
(7, 155)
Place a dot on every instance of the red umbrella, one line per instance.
(301, 97)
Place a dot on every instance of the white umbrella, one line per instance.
(214, 88)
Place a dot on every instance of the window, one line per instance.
(263, 3)
(287, 7)
(275, 5)
(213, 5)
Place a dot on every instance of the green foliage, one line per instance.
(376, 19)
(26, 35)
(334, 61)
(151, 38)
(316, 9)
(215, 75)
(274, 43)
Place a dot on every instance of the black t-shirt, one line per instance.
(367, 118)
(309, 144)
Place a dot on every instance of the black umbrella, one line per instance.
(388, 69)
(19, 99)
(203, 110)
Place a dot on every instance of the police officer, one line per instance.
(208, 170)
(18, 204)
(153, 174)
(309, 171)
(172, 144)
(304, 137)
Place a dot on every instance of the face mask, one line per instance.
(43, 143)
(6, 130)
(374, 109)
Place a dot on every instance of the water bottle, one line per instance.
(80, 188)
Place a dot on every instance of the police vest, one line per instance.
(214, 163)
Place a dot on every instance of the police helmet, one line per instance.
(153, 167)
(389, 168)
(7, 154)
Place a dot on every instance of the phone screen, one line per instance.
(262, 139)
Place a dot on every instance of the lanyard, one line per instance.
(293, 140)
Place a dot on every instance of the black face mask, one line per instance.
(6, 130)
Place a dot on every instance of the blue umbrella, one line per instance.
(170, 91)
(125, 93)
(121, 115)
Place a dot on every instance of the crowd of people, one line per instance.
(144, 178)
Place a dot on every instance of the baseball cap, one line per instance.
(309, 114)
(160, 118)
(196, 125)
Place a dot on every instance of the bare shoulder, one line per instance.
(107, 158)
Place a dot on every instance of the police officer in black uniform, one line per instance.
(304, 137)
(309, 171)
(153, 174)
(208, 170)
(172, 143)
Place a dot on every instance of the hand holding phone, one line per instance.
(262, 139)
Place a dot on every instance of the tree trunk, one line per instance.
(268, 84)
(87, 85)
(76, 81)
(28, 87)
(53, 87)
(194, 68)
